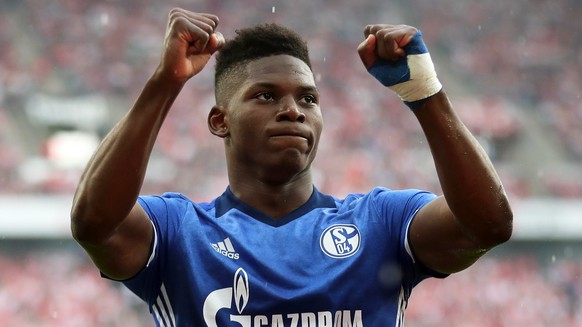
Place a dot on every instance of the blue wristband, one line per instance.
(412, 76)
(390, 73)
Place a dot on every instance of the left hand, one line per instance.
(398, 58)
(384, 42)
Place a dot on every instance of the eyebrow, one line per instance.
(268, 85)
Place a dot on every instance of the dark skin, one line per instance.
(453, 231)
(271, 128)
(277, 111)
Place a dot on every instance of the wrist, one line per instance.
(166, 80)
(413, 77)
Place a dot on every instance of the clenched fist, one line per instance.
(190, 41)
(398, 58)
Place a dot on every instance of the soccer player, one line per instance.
(272, 250)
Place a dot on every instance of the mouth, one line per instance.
(290, 133)
(289, 136)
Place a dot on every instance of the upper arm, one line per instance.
(125, 252)
(438, 240)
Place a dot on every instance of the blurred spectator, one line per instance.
(504, 57)
(513, 291)
(502, 60)
(55, 287)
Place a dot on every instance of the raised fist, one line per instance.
(397, 57)
(189, 43)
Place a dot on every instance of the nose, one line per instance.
(289, 110)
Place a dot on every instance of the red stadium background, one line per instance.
(70, 68)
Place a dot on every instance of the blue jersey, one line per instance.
(331, 262)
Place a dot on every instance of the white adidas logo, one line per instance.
(225, 248)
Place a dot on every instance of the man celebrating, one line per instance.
(272, 250)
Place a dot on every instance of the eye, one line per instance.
(309, 99)
(265, 96)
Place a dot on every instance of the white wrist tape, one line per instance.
(423, 81)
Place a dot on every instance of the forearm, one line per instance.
(111, 182)
(471, 186)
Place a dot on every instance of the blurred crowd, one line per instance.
(527, 52)
(60, 288)
(507, 65)
(502, 60)
(508, 292)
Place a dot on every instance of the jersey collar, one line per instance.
(228, 201)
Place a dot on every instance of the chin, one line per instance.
(288, 168)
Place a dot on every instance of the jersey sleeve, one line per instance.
(166, 215)
(398, 208)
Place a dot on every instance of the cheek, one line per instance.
(246, 130)
(317, 120)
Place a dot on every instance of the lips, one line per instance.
(290, 133)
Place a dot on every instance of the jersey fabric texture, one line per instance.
(331, 262)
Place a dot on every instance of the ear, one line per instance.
(217, 121)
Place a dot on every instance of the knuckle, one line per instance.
(205, 37)
(174, 12)
(207, 28)
(174, 16)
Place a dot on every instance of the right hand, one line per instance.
(189, 43)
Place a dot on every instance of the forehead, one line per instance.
(279, 68)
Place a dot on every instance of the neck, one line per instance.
(274, 199)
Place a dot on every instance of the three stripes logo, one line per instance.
(225, 248)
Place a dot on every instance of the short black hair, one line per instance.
(254, 43)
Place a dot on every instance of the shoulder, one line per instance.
(163, 201)
(172, 203)
(380, 195)
(390, 206)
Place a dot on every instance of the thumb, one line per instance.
(216, 42)
(366, 50)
